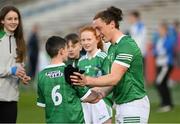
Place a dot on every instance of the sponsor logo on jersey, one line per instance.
(54, 74)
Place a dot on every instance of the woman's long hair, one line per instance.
(18, 33)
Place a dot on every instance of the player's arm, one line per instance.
(97, 93)
(111, 79)
(104, 91)
(119, 67)
(87, 95)
(94, 97)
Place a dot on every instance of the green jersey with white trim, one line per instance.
(126, 53)
(62, 102)
(72, 62)
(95, 67)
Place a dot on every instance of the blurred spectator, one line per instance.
(33, 50)
(138, 32)
(164, 43)
(43, 59)
(177, 48)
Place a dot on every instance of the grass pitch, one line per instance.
(28, 112)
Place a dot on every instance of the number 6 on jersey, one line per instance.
(56, 96)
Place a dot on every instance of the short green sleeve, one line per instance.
(125, 53)
(82, 92)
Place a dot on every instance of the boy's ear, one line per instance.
(60, 52)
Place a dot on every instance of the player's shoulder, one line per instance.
(126, 39)
(42, 72)
(101, 54)
(127, 43)
(84, 57)
(52, 68)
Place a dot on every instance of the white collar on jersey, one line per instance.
(54, 65)
(88, 57)
(117, 41)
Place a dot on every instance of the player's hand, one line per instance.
(100, 91)
(78, 79)
(98, 98)
(94, 97)
(68, 71)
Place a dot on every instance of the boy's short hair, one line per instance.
(73, 37)
(53, 44)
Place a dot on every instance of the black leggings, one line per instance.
(8, 112)
(163, 74)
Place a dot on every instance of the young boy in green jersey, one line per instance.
(126, 70)
(61, 100)
(74, 49)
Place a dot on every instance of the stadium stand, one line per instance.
(64, 16)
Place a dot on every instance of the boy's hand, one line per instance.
(69, 70)
(98, 98)
(100, 91)
(94, 97)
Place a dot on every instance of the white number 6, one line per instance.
(56, 96)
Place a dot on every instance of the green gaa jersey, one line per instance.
(72, 62)
(95, 67)
(62, 102)
(126, 53)
(92, 66)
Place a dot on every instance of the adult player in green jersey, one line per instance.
(126, 74)
(61, 100)
(92, 63)
(74, 49)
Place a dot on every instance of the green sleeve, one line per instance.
(125, 53)
(82, 92)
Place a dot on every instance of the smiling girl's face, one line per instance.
(10, 21)
(89, 41)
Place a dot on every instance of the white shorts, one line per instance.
(136, 111)
(96, 113)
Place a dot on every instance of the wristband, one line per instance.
(13, 70)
